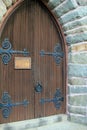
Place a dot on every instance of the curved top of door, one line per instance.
(13, 8)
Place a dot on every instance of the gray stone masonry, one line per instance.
(54, 3)
(13, 1)
(65, 7)
(77, 70)
(77, 109)
(62, 125)
(74, 14)
(82, 2)
(78, 119)
(2, 9)
(78, 57)
(77, 89)
(76, 38)
(76, 23)
(78, 99)
(76, 30)
(77, 81)
(8, 3)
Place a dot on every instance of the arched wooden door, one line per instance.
(39, 76)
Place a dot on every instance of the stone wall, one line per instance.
(72, 15)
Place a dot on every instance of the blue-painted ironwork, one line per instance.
(6, 51)
(38, 88)
(6, 104)
(57, 54)
(57, 99)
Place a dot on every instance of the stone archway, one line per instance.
(73, 19)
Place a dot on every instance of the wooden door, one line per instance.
(33, 27)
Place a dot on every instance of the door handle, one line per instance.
(38, 88)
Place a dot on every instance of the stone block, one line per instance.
(33, 124)
(74, 14)
(78, 47)
(77, 89)
(76, 30)
(54, 3)
(8, 3)
(78, 58)
(78, 100)
(76, 38)
(77, 110)
(76, 23)
(65, 7)
(13, 1)
(77, 70)
(78, 119)
(2, 9)
(77, 81)
(82, 2)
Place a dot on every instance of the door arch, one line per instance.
(34, 27)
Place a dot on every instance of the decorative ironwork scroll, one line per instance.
(6, 104)
(6, 51)
(57, 99)
(57, 54)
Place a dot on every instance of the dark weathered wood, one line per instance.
(33, 27)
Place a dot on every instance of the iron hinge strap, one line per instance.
(57, 99)
(6, 51)
(6, 104)
(57, 54)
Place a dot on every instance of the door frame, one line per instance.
(12, 9)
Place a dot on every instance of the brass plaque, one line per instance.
(22, 62)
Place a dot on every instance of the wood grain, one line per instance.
(32, 27)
